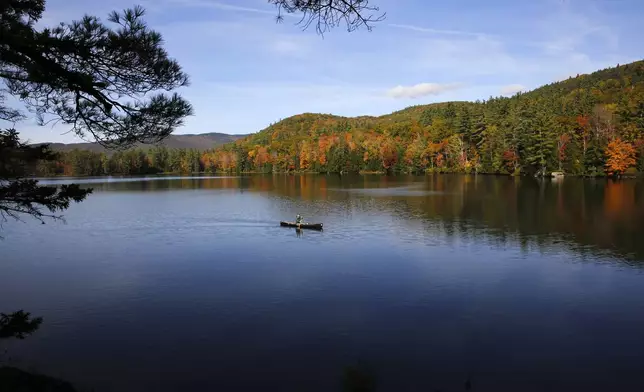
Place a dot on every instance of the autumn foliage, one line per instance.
(511, 160)
(591, 125)
(388, 155)
(620, 157)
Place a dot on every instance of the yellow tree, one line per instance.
(370, 144)
(208, 161)
(388, 154)
(324, 145)
(305, 156)
(474, 163)
(348, 138)
(413, 157)
(433, 152)
(261, 157)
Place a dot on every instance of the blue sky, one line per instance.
(247, 71)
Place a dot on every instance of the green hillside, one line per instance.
(588, 125)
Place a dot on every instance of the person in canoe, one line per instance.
(299, 220)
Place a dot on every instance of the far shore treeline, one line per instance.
(590, 125)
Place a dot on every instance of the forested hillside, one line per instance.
(203, 141)
(588, 125)
(177, 153)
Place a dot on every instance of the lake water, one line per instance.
(423, 283)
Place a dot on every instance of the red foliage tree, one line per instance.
(562, 144)
(511, 160)
(389, 155)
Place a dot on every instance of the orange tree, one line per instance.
(620, 156)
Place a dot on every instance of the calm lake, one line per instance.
(189, 284)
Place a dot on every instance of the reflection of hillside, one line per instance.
(586, 215)
(590, 213)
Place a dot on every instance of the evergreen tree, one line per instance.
(539, 139)
(89, 76)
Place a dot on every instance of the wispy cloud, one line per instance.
(230, 7)
(437, 31)
(421, 90)
(227, 7)
(512, 89)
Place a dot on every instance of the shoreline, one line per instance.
(361, 173)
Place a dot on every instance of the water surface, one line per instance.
(189, 283)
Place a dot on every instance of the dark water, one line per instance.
(188, 284)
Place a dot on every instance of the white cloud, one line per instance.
(512, 89)
(421, 90)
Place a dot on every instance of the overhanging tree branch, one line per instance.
(328, 14)
(20, 195)
(116, 71)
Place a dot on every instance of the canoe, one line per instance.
(311, 226)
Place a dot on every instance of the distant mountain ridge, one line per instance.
(202, 141)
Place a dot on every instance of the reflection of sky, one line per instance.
(405, 191)
(147, 279)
